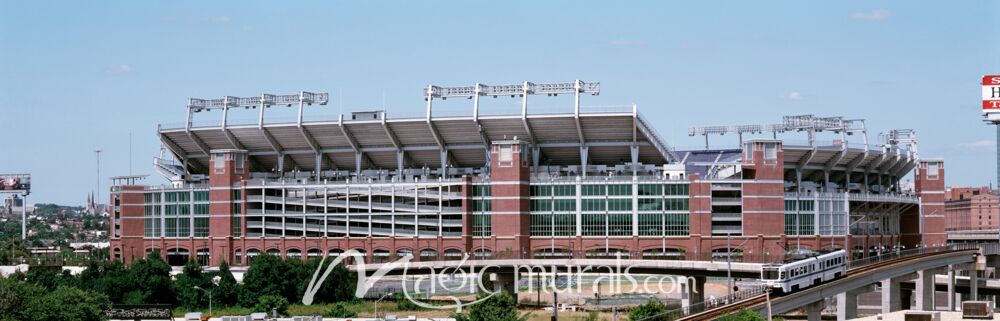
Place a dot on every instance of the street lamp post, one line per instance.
(380, 300)
(209, 298)
(215, 281)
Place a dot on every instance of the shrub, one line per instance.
(267, 302)
(339, 310)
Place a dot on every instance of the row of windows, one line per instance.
(800, 224)
(482, 224)
(553, 224)
(481, 190)
(606, 224)
(180, 197)
(609, 190)
(664, 224)
(175, 227)
(800, 205)
(482, 206)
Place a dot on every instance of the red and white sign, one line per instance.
(991, 94)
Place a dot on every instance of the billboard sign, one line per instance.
(15, 182)
(991, 94)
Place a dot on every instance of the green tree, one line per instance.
(267, 302)
(150, 279)
(498, 307)
(742, 315)
(187, 295)
(108, 277)
(227, 292)
(265, 276)
(68, 303)
(339, 286)
(652, 310)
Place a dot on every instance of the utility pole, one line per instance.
(98, 153)
(729, 266)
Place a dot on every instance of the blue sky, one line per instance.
(79, 76)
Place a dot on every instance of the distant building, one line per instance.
(972, 208)
(93, 208)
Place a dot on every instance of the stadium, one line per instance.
(572, 183)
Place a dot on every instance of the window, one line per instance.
(201, 196)
(564, 205)
(650, 204)
(201, 227)
(650, 189)
(481, 190)
(540, 205)
(237, 226)
(564, 190)
(594, 205)
(482, 225)
(541, 190)
(619, 224)
(593, 224)
(620, 190)
(651, 224)
(593, 190)
(482, 206)
(620, 205)
(677, 189)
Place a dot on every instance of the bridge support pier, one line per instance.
(973, 285)
(814, 311)
(952, 299)
(692, 291)
(505, 282)
(891, 296)
(924, 291)
(847, 304)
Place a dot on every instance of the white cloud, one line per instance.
(218, 19)
(792, 96)
(978, 146)
(119, 69)
(877, 14)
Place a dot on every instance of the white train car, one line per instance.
(800, 274)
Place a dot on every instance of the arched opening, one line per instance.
(400, 252)
(238, 258)
(380, 256)
(293, 254)
(204, 256)
(117, 254)
(177, 256)
(314, 254)
(333, 253)
(274, 252)
(552, 253)
(663, 254)
(608, 253)
(251, 253)
(482, 253)
(428, 255)
(734, 254)
(452, 254)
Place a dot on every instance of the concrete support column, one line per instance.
(924, 292)
(847, 305)
(814, 311)
(505, 282)
(973, 285)
(952, 299)
(891, 296)
(692, 291)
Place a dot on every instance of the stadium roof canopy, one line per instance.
(608, 135)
